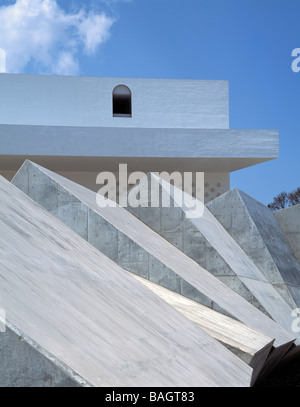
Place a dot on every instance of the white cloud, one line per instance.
(94, 30)
(2, 61)
(65, 64)
(42, 33)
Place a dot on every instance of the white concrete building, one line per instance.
(80, 126)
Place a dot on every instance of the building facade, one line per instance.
(80, 126)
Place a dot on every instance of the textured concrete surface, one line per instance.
(128, 241)
(289, 221)
(94, 317)
(23, 363)
(206, 241)
(255, 229)
(235, 148)
(215, 183)
(87, 101)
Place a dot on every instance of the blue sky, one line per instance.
(248, 42)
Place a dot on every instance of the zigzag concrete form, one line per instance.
(206, 241)
(289, 221)
(92, 316)
(250, 345)
(255, 229)
(128, 241)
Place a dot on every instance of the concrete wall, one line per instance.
(215, 184)
(256, 230)
(289, 221)
(85, 101)
(24, 364)
(172, 225)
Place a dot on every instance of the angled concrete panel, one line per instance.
(23, 363)
(207, 242)
(250, 345)
(289, 221)
(93, 317)
(167, 265)
(255, 229)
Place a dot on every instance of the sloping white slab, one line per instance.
(164, 252)
(249, 344)
(93, 316)
(201, 227)
(23, 363)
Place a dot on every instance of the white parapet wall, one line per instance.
(69, 125)
(87, 101)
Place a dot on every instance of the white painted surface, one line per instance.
(92, 315)
(86, 101)
(254, 227)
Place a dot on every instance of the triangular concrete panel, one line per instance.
(206, 241)
(289, 221)
(136, 247)
(255, 229)
(23, 363)
(93, 317)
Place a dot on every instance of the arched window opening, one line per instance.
(121, 101)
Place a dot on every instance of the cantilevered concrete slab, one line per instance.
(289, 221)
(205, 240)
(250, 345)
(93, 317)
(134, 246)
(168, 149)
(255, 229)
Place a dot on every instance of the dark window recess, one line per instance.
(122, 101)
